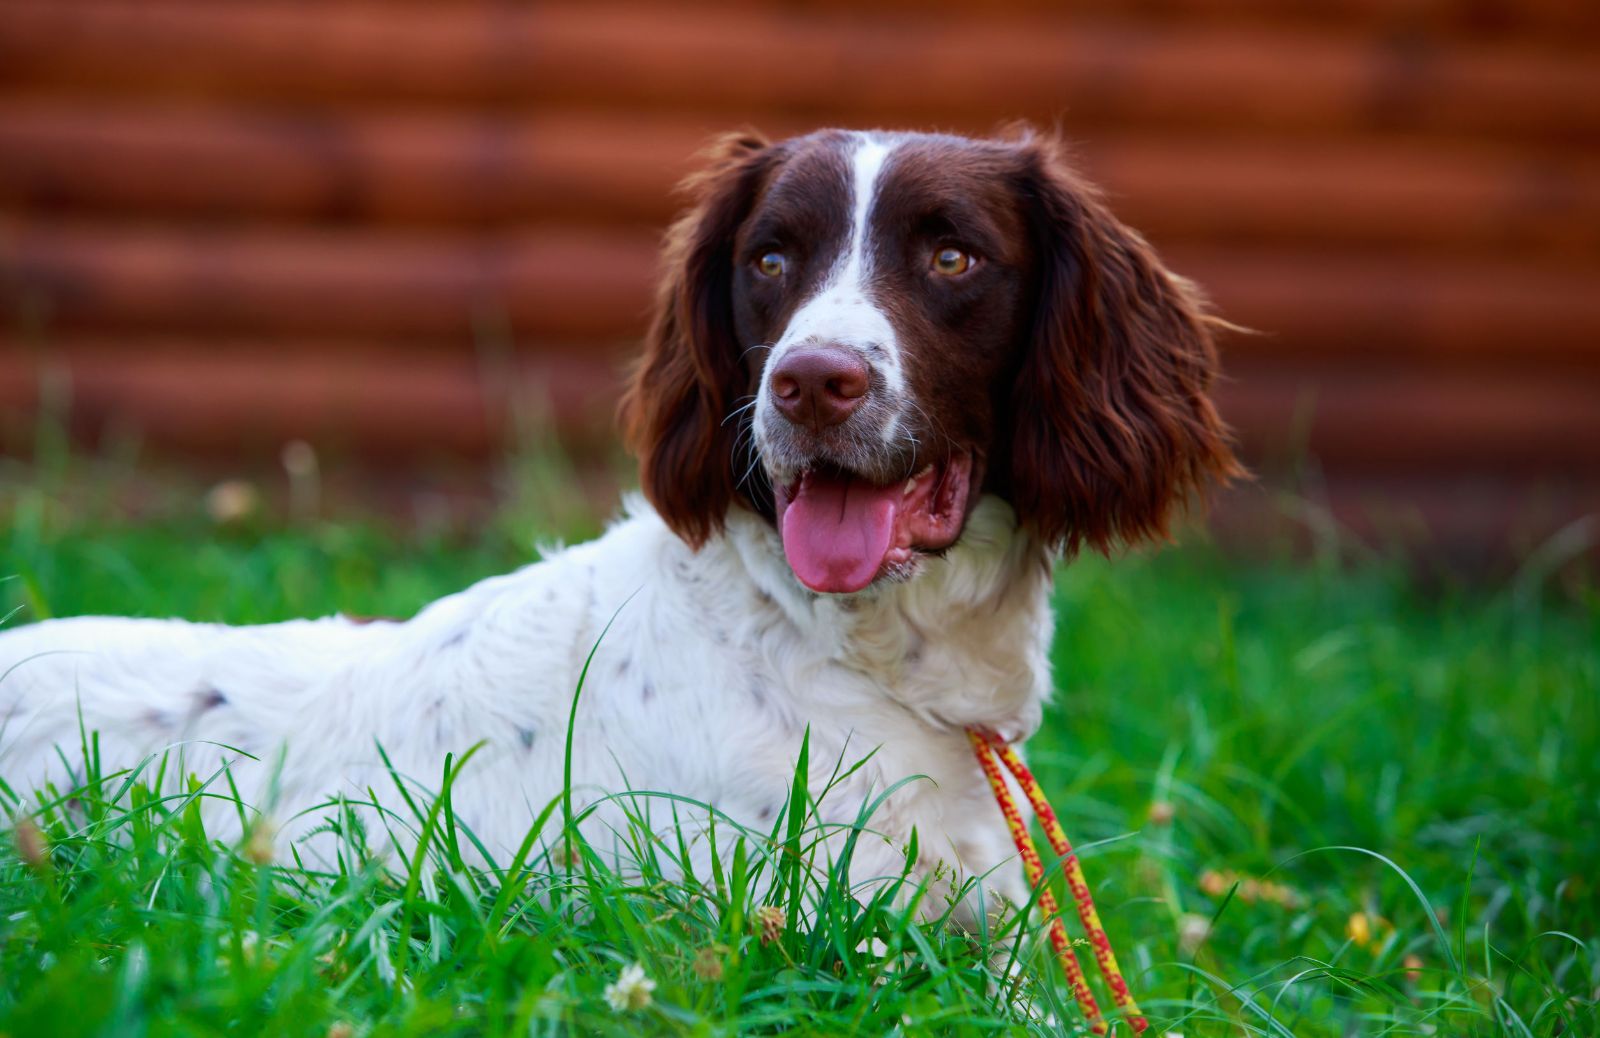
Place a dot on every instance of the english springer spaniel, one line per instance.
(891, 379)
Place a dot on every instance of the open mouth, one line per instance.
(841, 532)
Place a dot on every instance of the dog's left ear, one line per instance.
(1112, 425)
(675, 411)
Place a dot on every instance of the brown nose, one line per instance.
(819, 386)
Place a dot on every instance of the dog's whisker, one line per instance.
(741, 409)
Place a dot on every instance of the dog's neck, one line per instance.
(963, 642)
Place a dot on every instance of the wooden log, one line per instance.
(1365, 308)
(248, 397)
(1382, 419)
(844, 68)
(558, 283)
(1353, 192)
(1567, 23)
(174, 161)
(592, 286)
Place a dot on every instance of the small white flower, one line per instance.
(631, 990)
(1192, 932)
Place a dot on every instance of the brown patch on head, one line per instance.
(957, 335)
(802, 214)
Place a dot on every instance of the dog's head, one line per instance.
(859, 333)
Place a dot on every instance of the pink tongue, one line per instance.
(836, 531)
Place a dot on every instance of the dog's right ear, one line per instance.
(676, 406)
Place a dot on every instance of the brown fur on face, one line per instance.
(1074, 366)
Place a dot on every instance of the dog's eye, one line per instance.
(772, 265)
(951, 262)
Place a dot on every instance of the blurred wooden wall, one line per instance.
(372, 223)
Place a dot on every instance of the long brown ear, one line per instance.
(1113, 426)
(675, 411)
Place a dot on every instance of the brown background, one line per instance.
(375, 224)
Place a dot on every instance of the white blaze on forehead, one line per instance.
(866, 166)
(842, 312)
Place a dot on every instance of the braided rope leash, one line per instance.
(989, 748)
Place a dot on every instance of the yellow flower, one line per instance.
(1364, 929)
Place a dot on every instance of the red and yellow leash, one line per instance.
(989, 748)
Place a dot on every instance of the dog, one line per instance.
(890, 381)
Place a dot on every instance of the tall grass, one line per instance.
(124, 918)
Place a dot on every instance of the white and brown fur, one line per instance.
(1067, 363)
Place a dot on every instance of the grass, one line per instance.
(1312, 800)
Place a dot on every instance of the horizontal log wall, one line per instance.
(378, 225)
